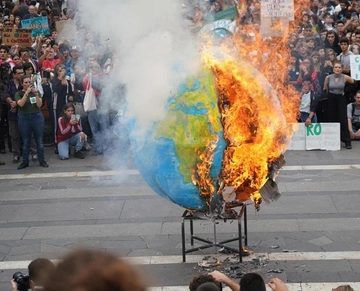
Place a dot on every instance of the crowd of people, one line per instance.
(51, 79)
(55, 71)
(323, 36)
(94, 270)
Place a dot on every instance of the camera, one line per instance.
(22, 281)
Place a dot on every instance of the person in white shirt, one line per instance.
(308, 103)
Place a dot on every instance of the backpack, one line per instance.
(5, 72)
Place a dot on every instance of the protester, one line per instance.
(99, 119)
(31, 121)
(353, 115)
(70, 133)
(336, 103)
(308, 104)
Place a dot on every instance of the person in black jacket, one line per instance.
(308, 103)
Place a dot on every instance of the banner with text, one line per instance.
(12, 36)
(316, 136)
(66, 29)
(275, 17)
(38, 25)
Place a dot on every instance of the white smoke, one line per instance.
(154, 50)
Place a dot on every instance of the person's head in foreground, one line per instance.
(203, 281)
(93, 270)
(343, 288)
(252, 282)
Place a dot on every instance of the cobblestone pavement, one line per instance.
(309, 237)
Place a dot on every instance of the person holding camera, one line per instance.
(30, 121)
(38, 272)
(353, 115)
(70, 133)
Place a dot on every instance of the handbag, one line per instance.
(90, 98)
(79, 109)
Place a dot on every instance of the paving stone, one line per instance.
(341, 246)
(12, 233)
(150, 208)
(85, 231)
(24, 250)
(144, 252)
(320, 241)
(53, 250)
(65, 211)
(110, 244)
(4, 249)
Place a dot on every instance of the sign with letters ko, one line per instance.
(38, 25)
(316, 136)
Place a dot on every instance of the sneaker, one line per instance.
(2, 163)
(348, 145)
(79, 155)
(16, 159)
(23, 166)
(34, 157)
(86, 146)
(44, 164)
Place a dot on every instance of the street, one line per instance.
(310, 237)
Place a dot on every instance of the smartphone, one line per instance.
(354, 14)
(73, 116)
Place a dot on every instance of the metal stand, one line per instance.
(208, 244)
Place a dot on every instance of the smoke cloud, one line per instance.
(153, 51)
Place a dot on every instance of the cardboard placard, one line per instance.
(12, 36)
(316, 136)
(66, 29)
(275, 17)
(38, 25)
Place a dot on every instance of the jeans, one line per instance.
(15, 137)
(63, 147)
(305, 115)
(100, 128)
(32, 124)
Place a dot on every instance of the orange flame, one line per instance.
(256, 106)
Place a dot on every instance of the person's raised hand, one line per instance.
(14, 286)
(277, 285)
(218, 276)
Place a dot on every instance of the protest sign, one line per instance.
(275, 17)
(316, 136)
(38, 25)
(298, 138)
(66, 29)
(12, 36)
(355, 67)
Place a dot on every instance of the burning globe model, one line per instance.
(224, 130)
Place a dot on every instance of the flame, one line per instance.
(256, 105)
(201, 173)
